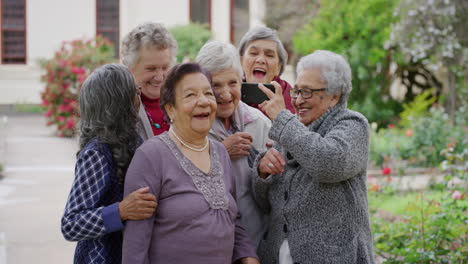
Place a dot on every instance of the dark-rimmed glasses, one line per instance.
(306, 93)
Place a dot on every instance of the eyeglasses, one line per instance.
(306, 93)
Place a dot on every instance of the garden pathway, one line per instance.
(38, 171)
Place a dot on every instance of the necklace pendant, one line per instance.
(156, 125)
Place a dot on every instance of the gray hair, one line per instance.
(108, 113)
(146, 35)
(265, 33)
(335, 71)
(216, 56)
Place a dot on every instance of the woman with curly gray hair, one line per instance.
(313, 182)
(96, 209)
(149, 50)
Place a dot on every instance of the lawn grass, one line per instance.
(29, 108)
(398, 203)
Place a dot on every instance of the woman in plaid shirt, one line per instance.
(96, 209)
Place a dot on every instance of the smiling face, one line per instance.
(195, 107)
(227, 88)
(260, 61)
(309, 110)
(150, 70)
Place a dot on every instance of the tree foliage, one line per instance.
(357, 29)
(190, 38)
(430, 34)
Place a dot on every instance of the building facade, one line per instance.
(35, 29)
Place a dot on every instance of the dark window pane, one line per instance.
(13, 31)
(200, 11)
(241, 19)
(107, 22)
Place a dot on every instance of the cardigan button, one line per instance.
(286, 195)
(285, 228)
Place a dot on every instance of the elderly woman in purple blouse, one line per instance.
(197, 219)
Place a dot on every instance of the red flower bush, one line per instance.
(64, 75)
(386, 171)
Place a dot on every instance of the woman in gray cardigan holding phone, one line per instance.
(313, 182)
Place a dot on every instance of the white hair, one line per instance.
(148, 34)
(216, 56)
(334, 69)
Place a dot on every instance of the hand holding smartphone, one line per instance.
(251, 94)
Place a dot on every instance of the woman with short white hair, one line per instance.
(242, 129)
(313, 182)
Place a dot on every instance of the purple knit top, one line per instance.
(196, 220)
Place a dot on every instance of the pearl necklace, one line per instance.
(187, 145)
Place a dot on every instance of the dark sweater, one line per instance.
(91, 215)
(319, 203)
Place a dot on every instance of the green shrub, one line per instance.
(432, 227)
(64, 75)
(388, 146)
(432, 134)
(419, 137)
(341, 27)
(190, 39)
(435, 233)
(416, 109)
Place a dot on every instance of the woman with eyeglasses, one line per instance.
(313, 182)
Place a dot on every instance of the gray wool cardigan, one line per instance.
(319, 202)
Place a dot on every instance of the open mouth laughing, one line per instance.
(259, 73)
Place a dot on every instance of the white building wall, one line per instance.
(257, 12)
(221, 20)
(49, 22)
(170, 13)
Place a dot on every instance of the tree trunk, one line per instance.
(452, 90)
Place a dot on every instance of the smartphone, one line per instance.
(251, 94)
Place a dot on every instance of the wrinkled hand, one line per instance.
(249, 260)
(138, 205)
(271, 163)
(238, 145)
(276, 100)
